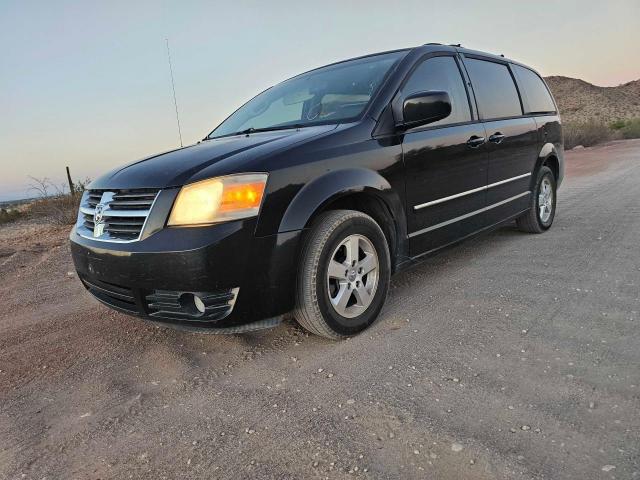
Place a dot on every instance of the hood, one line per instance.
(221, 156)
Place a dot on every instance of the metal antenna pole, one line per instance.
(173, 86)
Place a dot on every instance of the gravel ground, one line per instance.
(509, 356)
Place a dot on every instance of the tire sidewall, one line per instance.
(344, 326)
(545, 172)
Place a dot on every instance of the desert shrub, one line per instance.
(7, 216)
(587, 134)
(617, 124)
(54, 203)
(631, 128)
(59, 209)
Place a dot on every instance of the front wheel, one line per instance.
(343, 275)
(543, 204)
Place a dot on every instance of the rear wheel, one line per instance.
(543, 204)
(343, 276)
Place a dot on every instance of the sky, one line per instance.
(86, 84)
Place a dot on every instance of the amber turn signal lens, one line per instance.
(241, 196)
(218, 200)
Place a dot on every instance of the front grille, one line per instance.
(179, 305)
(123, 214)
(112, 295)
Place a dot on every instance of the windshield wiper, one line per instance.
(249, 130)
(269, 129)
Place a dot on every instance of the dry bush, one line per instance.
(587, 134)
(7, 216)
(58, 209)
(55, 204)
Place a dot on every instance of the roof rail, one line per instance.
(437, 43)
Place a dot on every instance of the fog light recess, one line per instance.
(194, 306)
(192, 303)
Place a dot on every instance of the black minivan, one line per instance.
(308, 197)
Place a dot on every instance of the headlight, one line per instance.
(219, 199)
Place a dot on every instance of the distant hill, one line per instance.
(16, 203)
(580, 101)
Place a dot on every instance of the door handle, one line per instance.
(497, 137)
(475, 141)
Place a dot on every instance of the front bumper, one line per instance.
(241, 278)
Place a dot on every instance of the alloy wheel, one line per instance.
(352, 276)
(545, 200)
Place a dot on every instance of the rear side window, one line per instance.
(441, 73)
(535, 95)
(495, 91)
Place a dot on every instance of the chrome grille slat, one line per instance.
(131, 230)
(133, 222)
(131, 203)
(124, 214)
(126, 196)
(119, 213)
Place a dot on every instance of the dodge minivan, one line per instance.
(312, 194)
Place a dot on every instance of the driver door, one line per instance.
(446, 162)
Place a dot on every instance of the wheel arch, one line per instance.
(355, 189)
(553, 158)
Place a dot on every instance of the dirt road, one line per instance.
(510, 356)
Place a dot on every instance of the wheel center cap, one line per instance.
(352, 275)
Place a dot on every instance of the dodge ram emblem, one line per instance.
(98, 220)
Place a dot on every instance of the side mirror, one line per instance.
(425, 107)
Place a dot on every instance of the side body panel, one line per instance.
(440, 164)
(512, 160)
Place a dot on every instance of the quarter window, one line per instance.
(495, 91)
(441, 73)
(536, 96)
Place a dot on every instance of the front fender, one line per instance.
(333, 185)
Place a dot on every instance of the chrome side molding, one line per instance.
(469, 192)
(467, 215)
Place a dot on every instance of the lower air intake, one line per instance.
(193, 306)
(112, 295)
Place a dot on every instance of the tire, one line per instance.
(537, 220)
(322, 285)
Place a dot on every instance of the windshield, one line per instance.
(332, 94)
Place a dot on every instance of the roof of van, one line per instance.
(436, 47)
(459, 48)
(426, 48)
(468, 51)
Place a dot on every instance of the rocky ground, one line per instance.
(510, 356)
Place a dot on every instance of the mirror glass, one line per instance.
(426, 107)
